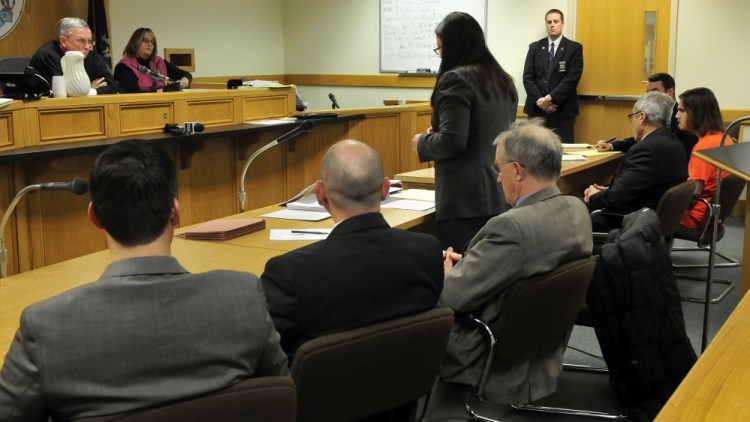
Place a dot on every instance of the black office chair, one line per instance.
(731, 189)
(361, 372)
(670, 209)
(14, 64)
(263, 399)
(538, 314)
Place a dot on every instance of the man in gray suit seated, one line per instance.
(148, 332)
(543, 230)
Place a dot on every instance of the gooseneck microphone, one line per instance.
(78, 186)
(305, 127)
(334, 103)
(156, 75)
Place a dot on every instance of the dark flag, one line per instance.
(98, 23)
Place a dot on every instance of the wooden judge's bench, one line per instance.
(57, 139)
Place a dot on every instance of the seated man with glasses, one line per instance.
(74, 35)
(653, 165)
(543, 230)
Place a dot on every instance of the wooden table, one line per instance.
(575, 176)
(247, 253)
(716, 389)
(735, 160)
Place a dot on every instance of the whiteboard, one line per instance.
(407, 31)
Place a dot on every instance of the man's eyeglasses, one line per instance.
(81, 41)
(437, 50)
(631, 116)
(496, 169)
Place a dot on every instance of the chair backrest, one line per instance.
(539, 311)
(14, 64)
(263, 399)
(673, 205)
(731, 189)
(357, 373)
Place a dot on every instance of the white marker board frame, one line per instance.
(407, 31)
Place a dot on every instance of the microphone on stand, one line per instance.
(305, 127)
(156, 75)
(334, 103)
(78, 186)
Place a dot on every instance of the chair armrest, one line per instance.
(489, 335)
(707, 221)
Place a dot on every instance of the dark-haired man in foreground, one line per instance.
(148, 332)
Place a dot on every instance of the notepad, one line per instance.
(225, 229)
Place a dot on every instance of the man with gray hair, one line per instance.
(73, 34)
(364, 272)
(653, 165)
(543, 230)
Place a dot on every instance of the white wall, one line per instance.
(230, 37)
(712, 49)
(239, 37)
(339, 36)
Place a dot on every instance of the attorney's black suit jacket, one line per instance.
(688, 139)
(567, 71)
(650, 167)
(364, 272)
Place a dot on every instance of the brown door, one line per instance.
(622, 44)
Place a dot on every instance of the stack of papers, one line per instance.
(308, 203)
(576, 146)
(225, 229)
(573, 157)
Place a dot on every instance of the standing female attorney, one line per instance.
(473, 101)
(140, 53)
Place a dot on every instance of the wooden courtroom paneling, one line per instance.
(53, 225)
(38, 25)
(218, 111)
(305, 154)
(603, 120)
(272, 106)
(145, 117)
(6, 129)
(65, 124)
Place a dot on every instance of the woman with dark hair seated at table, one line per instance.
(142, 70)
(698, 112)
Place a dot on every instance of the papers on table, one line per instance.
(407, 204)
(288, 214)
(270, 122)
(416, 194)
(575, 146)
(300, 234)
(594, 152)
(573, 157)
(308, 203)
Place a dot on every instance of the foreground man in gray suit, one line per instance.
(148, 332)
(543, 230)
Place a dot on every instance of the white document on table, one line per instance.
(288, 214)
(300, 234)
(407, 204)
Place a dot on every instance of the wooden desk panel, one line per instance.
(716, 388)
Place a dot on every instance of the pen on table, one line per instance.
(610, 140)
(308, 232)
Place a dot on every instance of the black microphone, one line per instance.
(334, 104)
(189, 128)
(78, 186)
(156, 75)
(305, 127)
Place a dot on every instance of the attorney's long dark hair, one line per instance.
(465, 49)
